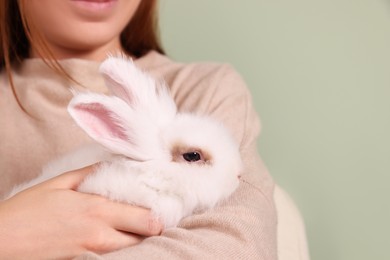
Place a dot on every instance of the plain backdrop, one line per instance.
(319, 74)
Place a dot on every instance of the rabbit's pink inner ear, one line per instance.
(118, 89)
(99, 122)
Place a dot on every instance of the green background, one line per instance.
(319, 74)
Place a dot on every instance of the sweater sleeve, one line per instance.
(242, 227)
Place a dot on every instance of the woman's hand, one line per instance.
(52, 220)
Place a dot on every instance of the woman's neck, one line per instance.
(95, 54)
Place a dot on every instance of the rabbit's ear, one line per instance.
(138, 89)
(124, 79)
(106, 120)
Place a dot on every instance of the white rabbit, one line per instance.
(153, 156)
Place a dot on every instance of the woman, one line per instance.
(48, 46)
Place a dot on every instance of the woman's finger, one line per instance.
(113, 240)
(72, 179)
(133, 219)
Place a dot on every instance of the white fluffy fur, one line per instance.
(139, 131)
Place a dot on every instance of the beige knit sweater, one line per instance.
(244, 227)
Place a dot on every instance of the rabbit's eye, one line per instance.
(192, 156)
(188, 154)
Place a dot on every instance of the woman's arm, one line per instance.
(52, 221)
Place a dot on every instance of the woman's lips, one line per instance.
(95, 5)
